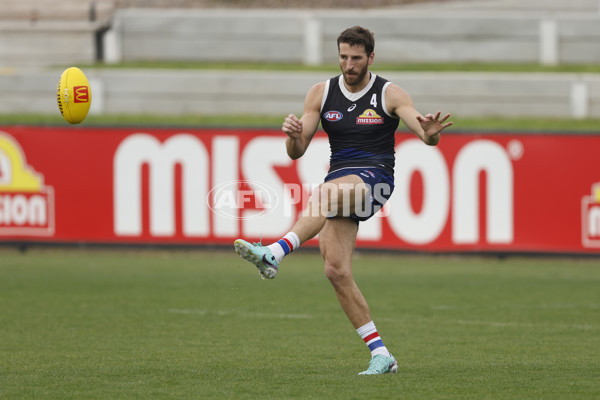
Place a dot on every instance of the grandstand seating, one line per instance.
(63, 10)
(42, 32)
(35, 34)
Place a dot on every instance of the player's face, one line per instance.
(354, 63)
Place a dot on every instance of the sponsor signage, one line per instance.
(590, 217)
(81, 94)
(26, 203)
(471, 193)
(369, 117)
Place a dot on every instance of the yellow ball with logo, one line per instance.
(74, 95)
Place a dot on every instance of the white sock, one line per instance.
(284, 246)
(368, 333)
(277, 251)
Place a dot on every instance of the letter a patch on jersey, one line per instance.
(369, 117)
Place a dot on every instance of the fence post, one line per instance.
(113, 51)
(313, 52)
(549, 42)
(579, 100)
(97, 89)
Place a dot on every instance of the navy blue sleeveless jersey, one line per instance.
(360, 130)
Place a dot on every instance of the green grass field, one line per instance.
(461, 124)
(334, 67)
(123, 324)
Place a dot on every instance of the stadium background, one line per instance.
(210, 82)
(259, 62)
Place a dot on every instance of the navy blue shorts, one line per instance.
(380, 185)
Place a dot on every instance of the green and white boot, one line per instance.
(381, 364)
(258, 255)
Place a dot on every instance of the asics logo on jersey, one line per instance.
(333, 116)
(352, 107)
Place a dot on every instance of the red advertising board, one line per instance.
(471, 193)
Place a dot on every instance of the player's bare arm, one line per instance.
(301, 131)
(427, 128)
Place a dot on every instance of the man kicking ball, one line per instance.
(360, 113)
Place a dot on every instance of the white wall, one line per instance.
(279, 93)
(306, 36)
(401, 36)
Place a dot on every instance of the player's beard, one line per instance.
(357, 78)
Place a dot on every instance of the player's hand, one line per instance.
(432, 124)
(292, 126)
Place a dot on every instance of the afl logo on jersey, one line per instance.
(333, 116)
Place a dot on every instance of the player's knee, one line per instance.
(337, 272)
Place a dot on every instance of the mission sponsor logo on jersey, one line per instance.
(369, 117)
(333, 116)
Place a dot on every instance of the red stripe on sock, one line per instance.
(371, 336)
(288, 243)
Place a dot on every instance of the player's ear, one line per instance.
(371, 57)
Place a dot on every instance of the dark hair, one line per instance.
(357, 36)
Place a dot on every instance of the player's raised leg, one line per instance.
(335, 197)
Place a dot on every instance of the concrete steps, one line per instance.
(65, 10)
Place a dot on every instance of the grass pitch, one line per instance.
(91, 324)
(478, 125)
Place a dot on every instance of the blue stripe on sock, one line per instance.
(376, 344)
(284, 246)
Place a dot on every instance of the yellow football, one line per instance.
(74, 95)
